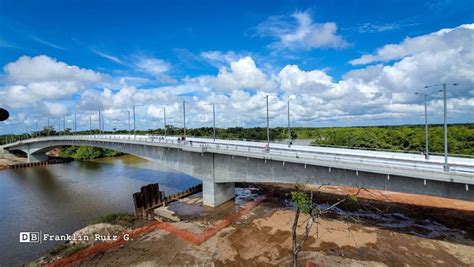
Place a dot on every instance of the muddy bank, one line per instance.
(349, 236)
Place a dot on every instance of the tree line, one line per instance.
(410, 138)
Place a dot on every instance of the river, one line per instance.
(62, 198)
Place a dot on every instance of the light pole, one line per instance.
(184, 118)
(64, 124)
(445, 118)
(289, 125)
(268, 125)
(90, 124)
(48, 127)
(100, 121)
(427, 155)
(129, 132)
(214, 121)
(164, 119)
(75, 124)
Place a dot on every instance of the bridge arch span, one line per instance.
(220, 164)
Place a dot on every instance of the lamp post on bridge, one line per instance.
(100, 121)
(134, 122)
(129, 131)
(214, 121)
(164, 119)
(64, 124)
(184, 118)
(268, 125)
(289, 126)
(445, 119)
(427, 140)
(75, 124)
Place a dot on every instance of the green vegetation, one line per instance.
(399, 138)
(121, 218)
(67, 249)
(87, 152)
(403, 138)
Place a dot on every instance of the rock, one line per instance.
(98, 233)
(164, 212)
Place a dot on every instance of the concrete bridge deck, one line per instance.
(220, 163)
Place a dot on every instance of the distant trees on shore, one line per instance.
(410, 138)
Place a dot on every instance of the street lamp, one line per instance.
(427, 155)
(129, 132)
(184, 118)
(289, 128)
(268, 125)
(75, 124)
(134, 122)
(64, 124)
(446, 166)
(213, 121)
(164, 119)
(100, 121)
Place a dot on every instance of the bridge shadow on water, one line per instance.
(170, 180)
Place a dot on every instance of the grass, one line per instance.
(121, 218)
(67, 249)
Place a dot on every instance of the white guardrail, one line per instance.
(260, 149)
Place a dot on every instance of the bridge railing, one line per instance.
(264, 151)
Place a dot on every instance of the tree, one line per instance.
(304, 204)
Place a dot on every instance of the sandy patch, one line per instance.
(324, 231)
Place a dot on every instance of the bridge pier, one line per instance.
(215, 194)
(36, 157)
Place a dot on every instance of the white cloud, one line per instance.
(459, 39)
(156, 67)
(218, 58)
(299, 32)
(108, 56)
(375, 94)
(43, 68)
(29, 80)
(52, 109)
(243, 74)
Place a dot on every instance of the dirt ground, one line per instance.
(262, 237)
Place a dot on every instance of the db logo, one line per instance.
(29, 237)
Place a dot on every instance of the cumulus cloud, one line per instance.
(381, 92)
(458, 39)
(45, 69)
(299, 32)
(30, 80)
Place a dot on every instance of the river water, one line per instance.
(60, 199)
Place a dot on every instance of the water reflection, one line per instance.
(62, 198)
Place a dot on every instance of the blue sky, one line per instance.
(157, 53)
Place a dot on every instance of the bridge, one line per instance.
(221, 163)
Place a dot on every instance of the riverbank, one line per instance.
(261, 235)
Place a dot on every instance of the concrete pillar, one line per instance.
(215, 194)
(36, 157)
